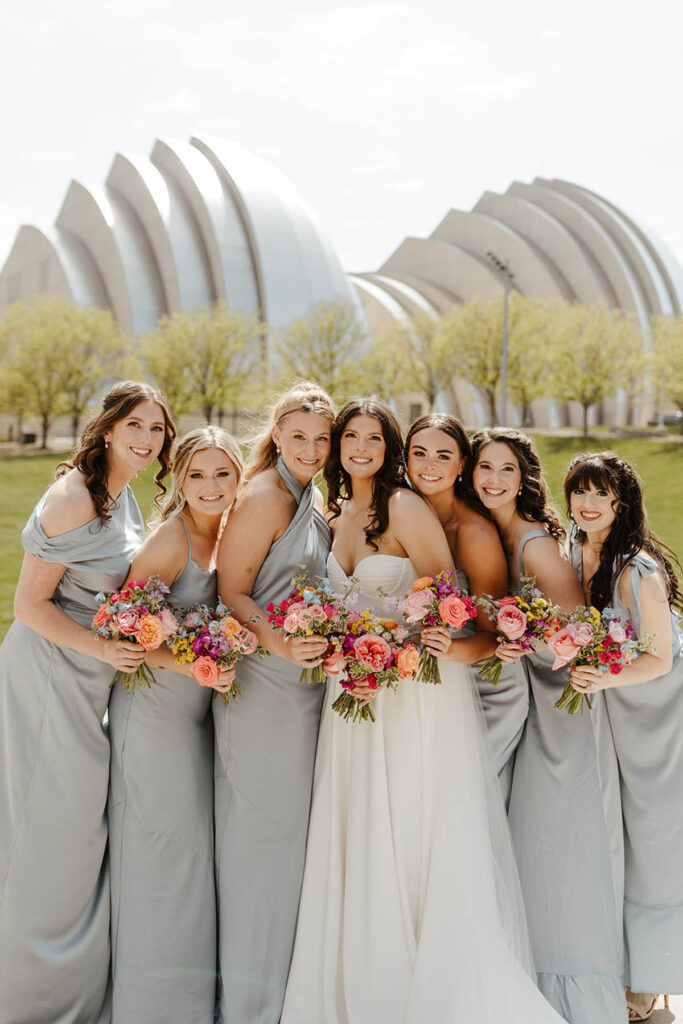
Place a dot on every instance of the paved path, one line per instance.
(674, 1013)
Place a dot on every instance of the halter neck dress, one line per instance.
(644, 724)
(54, 771)
(265, 753)
(563, 812)
(161, 839)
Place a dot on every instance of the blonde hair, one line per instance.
(197, 440)
(306, 396)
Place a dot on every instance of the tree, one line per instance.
(328, 345)
(532, 324)
(667, 357)
(472, 335)
(415, 355)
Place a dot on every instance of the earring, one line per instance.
(519, 492)
(106, 443)
(458, 478)
(277, 448)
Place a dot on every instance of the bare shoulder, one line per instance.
(261, 504)
(67, 506)
(474, 530)
(164, 552)
(406, 507)
(541, 550)
(319, 500)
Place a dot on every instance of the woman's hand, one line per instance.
(123, 655)
(366, 694)
(436, 640)
(585, 679)
(225, 680)
(304, 651)
(509, 652)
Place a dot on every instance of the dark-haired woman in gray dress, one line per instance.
(266, 739)
(161, 795)
(54, 687)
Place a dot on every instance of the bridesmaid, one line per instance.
(437, 452)
(54, 687)
(266, 739)
(624, 565)
(161, 793)
(562, 821)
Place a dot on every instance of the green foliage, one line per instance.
(473, 334)
(667, 358)
(414, 355)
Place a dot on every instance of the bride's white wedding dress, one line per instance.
(411, 911)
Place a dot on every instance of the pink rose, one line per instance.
(169, 622)
(250, 642)
(581, 632)
(400, 633)
(416, 604)
(564, 647)
(511, 621)
(126, 621)
(507, 600)
(334, 664)
(294, 619)
(372, 651)
(312, 611)
(453, 611)
(329, 610)
(617, 632)
(205, 671)
(354, 617)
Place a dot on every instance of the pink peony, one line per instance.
(453, 611)
(564, 647)
(372, 651)
(617, 632)
(250, 642)
(416, 604)
(205, 671)
(334, 663)
(582, 633)
(169, 622)
(126, 621)
(511, 621)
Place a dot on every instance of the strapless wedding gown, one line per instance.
(411, 911)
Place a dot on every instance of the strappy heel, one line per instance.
(639, 1012)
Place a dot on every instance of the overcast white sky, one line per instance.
(384, 114)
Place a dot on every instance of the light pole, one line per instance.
(504, 267)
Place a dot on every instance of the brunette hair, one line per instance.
(452, 426)
(532, 501)
(196, 441)
(386, 480)
(91, 457)
(630, 532)
(306, 396)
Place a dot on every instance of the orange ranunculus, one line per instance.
(151, 632)
(407, 660)
(389, 624)
(231, 627)
(423, 583)
(102, 616)
(205, 671)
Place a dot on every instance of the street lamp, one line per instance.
(503, 266)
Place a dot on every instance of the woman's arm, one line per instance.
(556, 577)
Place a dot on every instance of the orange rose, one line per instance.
(423, 583)
(407, 661)
(231, 627)
(205, 671)
(102, 616)
(151, 632)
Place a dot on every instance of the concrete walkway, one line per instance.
(674, 1013)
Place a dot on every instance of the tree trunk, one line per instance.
(75, 424)
(45, 426)
(491, 397)
(585, 420)
(207, 410)
(221, 414)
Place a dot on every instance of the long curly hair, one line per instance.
(630, 532)
(91, 456)
(386, 480)
(452, 426)
(306, 396)
(532, 501)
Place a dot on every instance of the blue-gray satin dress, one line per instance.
(54, 772)
(265, 753)
(644, 723)
(161, 840)
(565, 820)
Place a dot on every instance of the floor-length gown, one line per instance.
(265, 754)
(644, 722)
(410, 910)
(54, 772)
(564, 816)
(161, 840)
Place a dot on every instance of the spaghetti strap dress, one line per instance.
(564, 816)
(54, 772)
(265, 754)
(645, 726)
(161, 840)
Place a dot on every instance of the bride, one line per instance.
(410, 910)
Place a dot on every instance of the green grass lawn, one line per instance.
(659, 463)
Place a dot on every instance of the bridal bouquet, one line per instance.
(436, 601)
(140, 614)
(527, 619)
(375, 653)
(311, 610)
(603, 641)
(210, 639)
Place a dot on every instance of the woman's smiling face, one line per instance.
(497, 477)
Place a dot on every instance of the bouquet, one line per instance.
(137, 613)
(374, 652)
(603, 641)
(436, 601)
(211, 639)
(311, 610)
(527, 619)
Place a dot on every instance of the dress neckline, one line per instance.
(365, 558)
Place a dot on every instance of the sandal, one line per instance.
(641, 1005)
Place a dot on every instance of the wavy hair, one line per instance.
(451, 426)
(198, 440)
(386, 480)
(306, 396)
(91, 456)
(532, 503)
(630, 532)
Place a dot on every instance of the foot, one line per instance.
(641, 1005)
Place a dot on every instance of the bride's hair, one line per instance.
(306, 396)
(385, 481)
(451, 426)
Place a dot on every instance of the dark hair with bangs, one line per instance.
(532, 502)
(388, 479)
(451, 426)
(630, 532)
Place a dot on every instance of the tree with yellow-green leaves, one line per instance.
(667, 358)
(415, 354)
